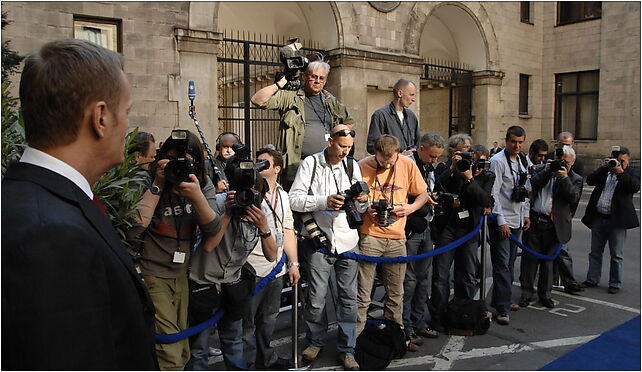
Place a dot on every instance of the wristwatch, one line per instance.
(290, 264)
(155, 190)
(266, 235)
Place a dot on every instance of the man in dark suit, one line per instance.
(71, 298)
(556, 191)
(563, 265)
(609, 214)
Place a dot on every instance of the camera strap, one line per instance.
(518, 171)
(382, 187)
(273, 209)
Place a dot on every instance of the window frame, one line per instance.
(576, 93)
(521, 95)
(102, 21)
(529, 19)
(578, 3)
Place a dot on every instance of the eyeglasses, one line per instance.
(344, 133)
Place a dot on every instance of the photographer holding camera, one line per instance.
(319, 191)
(457, 142)
(462, 204)
(609, 213)
(512, 211)
(176, 203)
(556, 191)
(392, 178)
(307, 115)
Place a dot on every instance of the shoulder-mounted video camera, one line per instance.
(356, 190)
(294, 63)
(243, 177)
(179, 168)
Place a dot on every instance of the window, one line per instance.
(102, 31)
(577, 11)
(523, 93)
(525, 12)
(576, 103)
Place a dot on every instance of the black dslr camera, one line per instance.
(481, 164)
(446, 202)
(293, 64)
(465, 162)
(356, 190)
(178, 169)
(383, 212)
(242, 174)
(520, 193)
(558, 163)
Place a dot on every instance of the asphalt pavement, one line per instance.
(536, 335)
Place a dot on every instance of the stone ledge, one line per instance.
(488, 77)
(374, 55)
(197, 41)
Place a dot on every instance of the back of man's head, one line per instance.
(58, 83)
(387, 145)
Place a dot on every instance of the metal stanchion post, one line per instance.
(482, 283)
(295, 330)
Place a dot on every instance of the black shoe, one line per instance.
(587, 284)
(547, 302)
(438, 326)
(573, 288)
(415, 339)
(524, 302)
(613, 290)
(281, 364)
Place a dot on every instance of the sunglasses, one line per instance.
(344, 133)
(540, 155)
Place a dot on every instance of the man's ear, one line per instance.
(99, 118)
(277, 169)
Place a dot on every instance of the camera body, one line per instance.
(446, 202)
(520, 193)
(558, 163)
(383, 209)
(178, 169)
(465, 162)
(481, 164)
(242, 174)
(614, 161)
(356, 190)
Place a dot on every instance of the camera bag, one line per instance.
(466, 317)
(379, 343)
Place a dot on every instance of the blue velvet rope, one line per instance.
(175, 337)
(492, 217)
(404, 259)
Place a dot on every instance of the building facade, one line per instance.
(481, 66)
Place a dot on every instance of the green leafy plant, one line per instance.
(13, 132)
(120, 191)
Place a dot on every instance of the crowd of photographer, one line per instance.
(211, 228)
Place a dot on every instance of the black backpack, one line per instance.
(466, 317)
(379, 343)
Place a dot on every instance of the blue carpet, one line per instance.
(617, 349)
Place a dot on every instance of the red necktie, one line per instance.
(99, 204)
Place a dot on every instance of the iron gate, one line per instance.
(245, 66)
(460, 101)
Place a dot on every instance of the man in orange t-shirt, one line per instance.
(391, 178)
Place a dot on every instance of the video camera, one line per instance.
(356, 190)
(558, 163)
(446, 202)
(179, 168)
(294, 63)
(383, 210)
(614, 161)
(242, 174)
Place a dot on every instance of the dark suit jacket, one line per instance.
(565, 200)
(71, 298)
(623, 212)
(578, 166)
(386, 121)
(471, 195)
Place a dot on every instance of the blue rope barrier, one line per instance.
(492, 217)
(405, 259)
(175, 337)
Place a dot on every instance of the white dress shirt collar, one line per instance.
(44, 160)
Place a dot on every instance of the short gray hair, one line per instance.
(568, 150)
(433, 139)
(455, 140)
(401, 84)
(316, 64)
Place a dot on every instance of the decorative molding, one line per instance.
(385, 6)
(197, 41)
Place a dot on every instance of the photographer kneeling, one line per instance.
(331, 216)
(461, 200)
(176, 202)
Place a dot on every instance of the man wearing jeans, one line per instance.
(512, 211)
(316, 191)
(609, 213)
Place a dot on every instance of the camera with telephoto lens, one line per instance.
(294, 64)
(383, 210)
(558, 163)
(316, 235)
(614, 161)
(243, 177)
(520, 193)
(356, 190)
(446, 202)
(465, 162)
(178, 169)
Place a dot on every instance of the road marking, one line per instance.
(454, 345)
(600, 302)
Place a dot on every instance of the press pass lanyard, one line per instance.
(317, 113)
(392, 174)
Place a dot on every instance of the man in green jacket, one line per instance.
(307, 116)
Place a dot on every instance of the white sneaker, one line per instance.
(215, 352)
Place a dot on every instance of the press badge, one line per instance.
(279, 239)
(179, 257)
(463, 214)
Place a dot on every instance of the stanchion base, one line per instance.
(558, 287)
